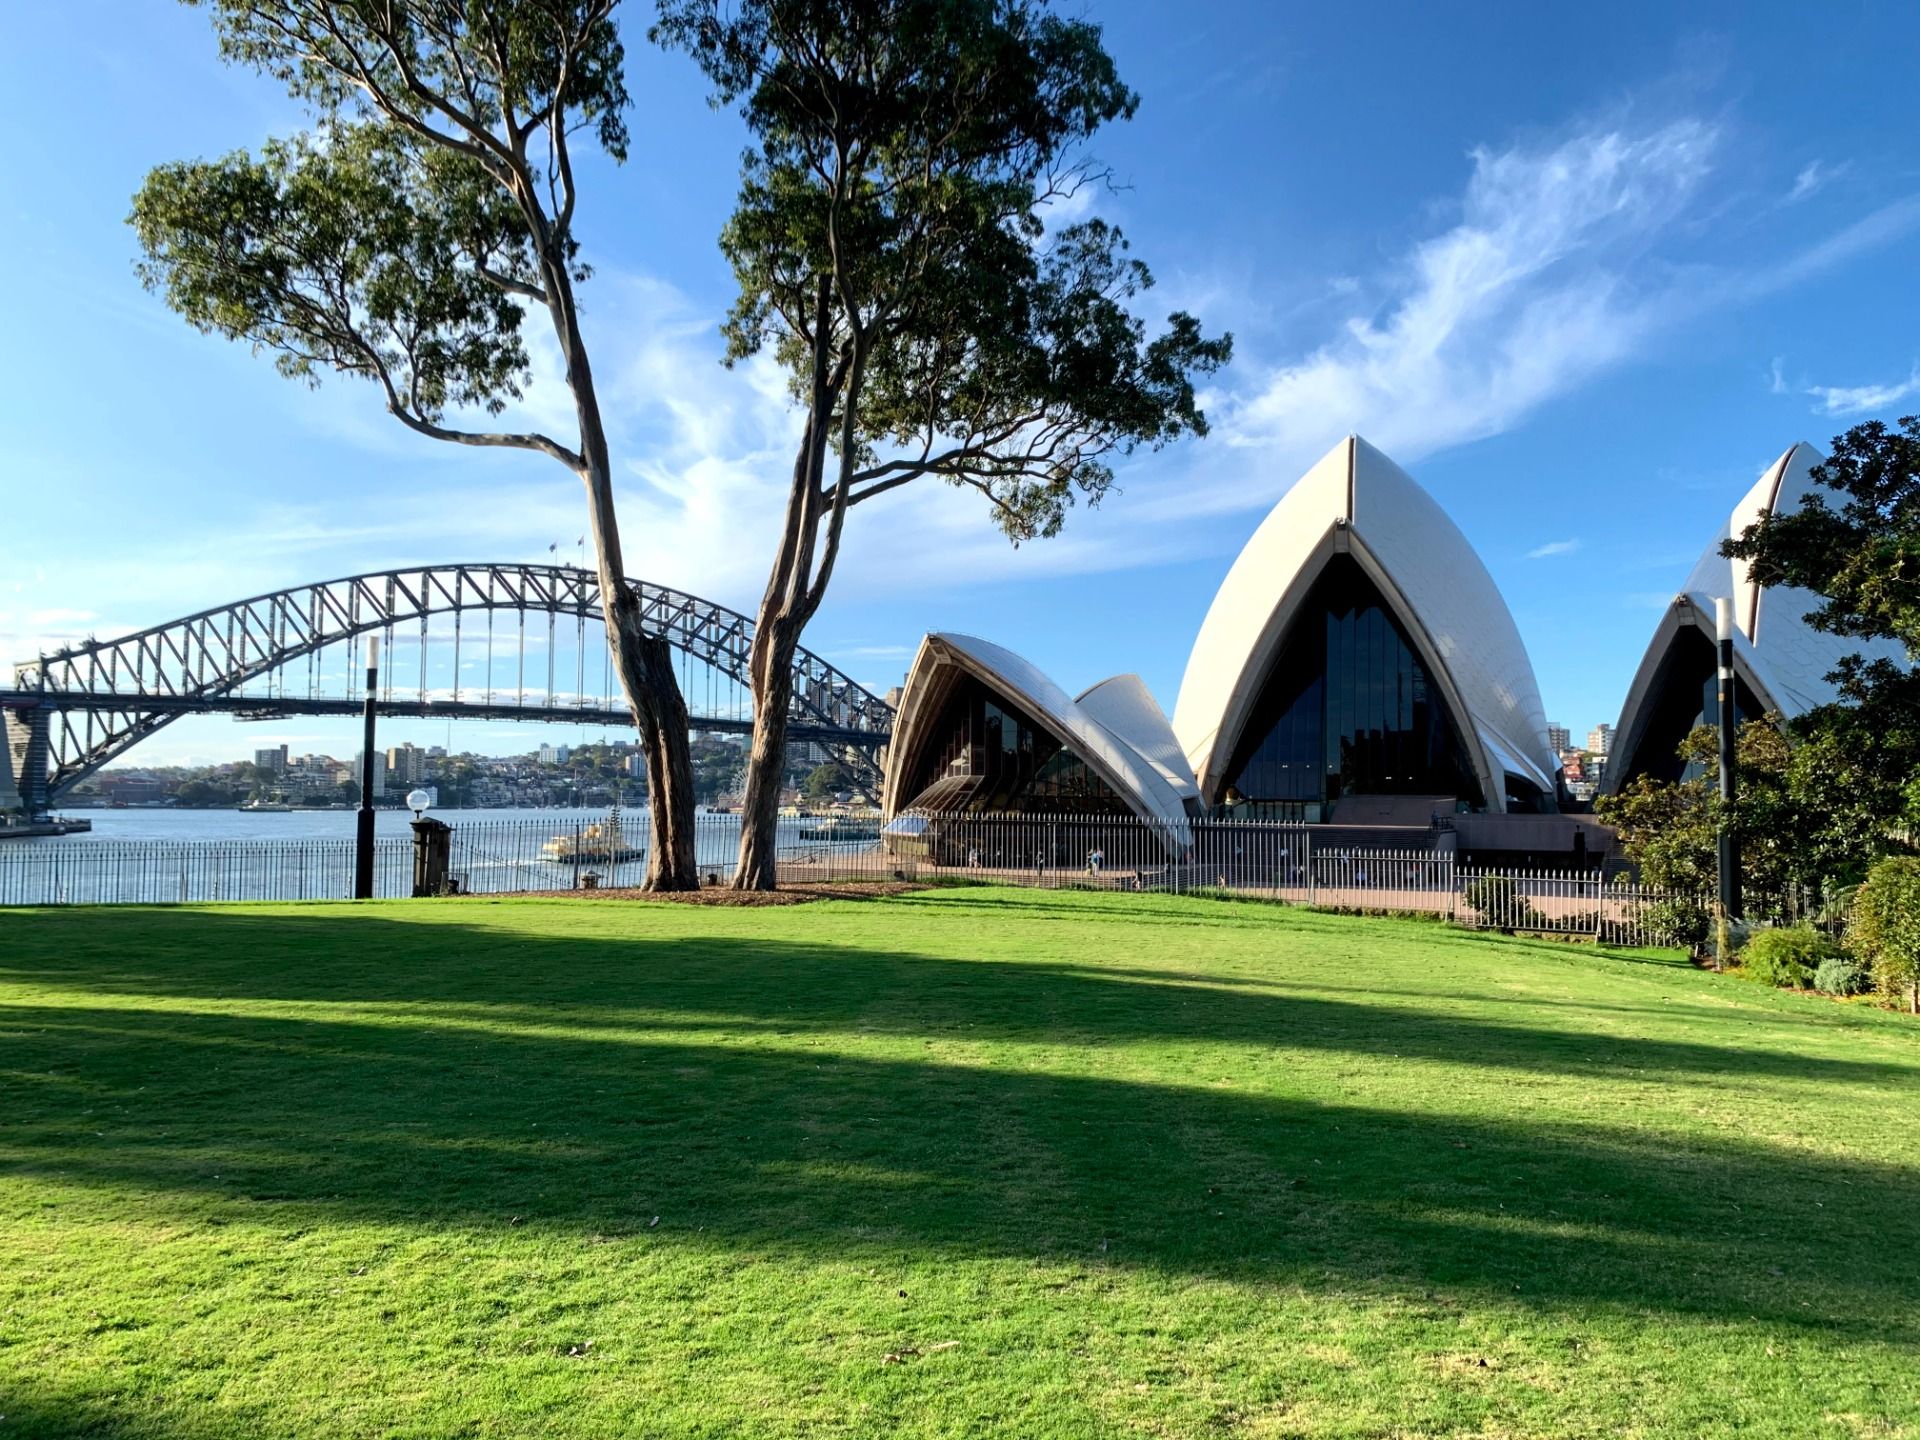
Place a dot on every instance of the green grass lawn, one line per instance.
(966, 1162)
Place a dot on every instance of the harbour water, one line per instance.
(176, 826)
(145, 856)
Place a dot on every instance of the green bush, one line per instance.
(1838, 975)
(1786, 957)
(1883, 928)
(1497, 900)
(1682, 920)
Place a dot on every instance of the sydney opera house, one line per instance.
(1357, 667)
(1358, 658)
(1780, 661)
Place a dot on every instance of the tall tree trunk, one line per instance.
(794, 590)
(644, 664)
(775, 640)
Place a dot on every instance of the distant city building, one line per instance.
(273, 761)
(637, 765)
(1600, 739)
(379, 762)
(1559, 738)
(406, 764)
(554, 754)
(122, 789)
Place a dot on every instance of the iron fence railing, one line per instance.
(1265, 860)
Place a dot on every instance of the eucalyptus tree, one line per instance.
(1855, 543)
(403, 240)
(1862, 558)
(890, 252)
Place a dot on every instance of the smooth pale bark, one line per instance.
(794, 591)
(774, 644)
(643, 662)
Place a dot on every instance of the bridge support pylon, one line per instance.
(24, 744)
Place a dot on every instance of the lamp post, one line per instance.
(1729, 845)
(363, 837)
(431, 848)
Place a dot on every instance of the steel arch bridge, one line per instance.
(70, 712)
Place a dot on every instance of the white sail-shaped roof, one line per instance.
(1778, 654)
(1356, 501)
(1127, 709)
(1115, 734)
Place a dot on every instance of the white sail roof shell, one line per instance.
(1113, 735)
(1127, 709)
(1779, 654)
(1792, 657)
(1357, 501)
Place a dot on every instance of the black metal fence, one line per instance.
(1262, 860)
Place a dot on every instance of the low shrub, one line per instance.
(1786, 957)
(1883, 928)
(1838, 975)
(1683, 921)
(1497, 900)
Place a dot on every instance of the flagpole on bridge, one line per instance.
(363, 837)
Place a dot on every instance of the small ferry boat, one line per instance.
(601, 843)
(842, 829)
(266, 807)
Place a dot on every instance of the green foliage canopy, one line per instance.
(890, 250)
(354, 252)
(1883, 927)
(1863, 558)
(399, 240)
(1672, 830)
(1857, 764)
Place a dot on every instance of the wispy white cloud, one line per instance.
(1814, 177)
(1858, 399)
(1879, 227)
(1525, 296)
(875, 652)
(1556, 262)
(1777, 383)
(1552, 548)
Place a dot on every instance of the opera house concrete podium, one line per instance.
(1358, 654)
(1780, 661)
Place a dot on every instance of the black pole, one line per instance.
(1729, 846)
(363, 839)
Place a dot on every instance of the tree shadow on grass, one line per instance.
(481, 1078)
(706, 980)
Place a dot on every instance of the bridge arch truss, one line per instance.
(73, 711)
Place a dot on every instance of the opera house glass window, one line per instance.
(1686, 696)
(1348, 708)
(985, 756)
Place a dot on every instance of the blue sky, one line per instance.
(1582, 273)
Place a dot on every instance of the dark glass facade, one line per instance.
(1686, 695)
(989, 757)
(1348, 709)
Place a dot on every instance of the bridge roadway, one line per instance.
(273, 707)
